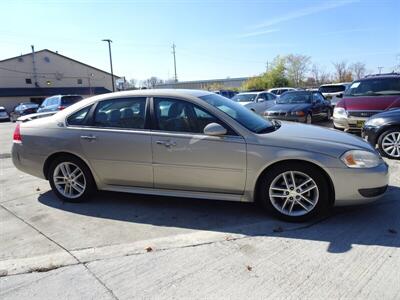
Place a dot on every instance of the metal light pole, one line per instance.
(112, 74)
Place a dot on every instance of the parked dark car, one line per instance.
(23, 109)
(226, 93)
(4, 116)
(365, 98)
(58, 102)
(383, 129)
(300, 106)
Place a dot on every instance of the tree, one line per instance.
(131, 84)
(275, 77)
(296, 67)
(358, 70)
(151, 82)
(343, 73)
(319, 75)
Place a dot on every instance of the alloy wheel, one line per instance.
(391, 144)
(69, 180)
(308, 119)
(294, 193)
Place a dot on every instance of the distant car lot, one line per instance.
(182, 248)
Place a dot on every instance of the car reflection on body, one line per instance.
(200, 145)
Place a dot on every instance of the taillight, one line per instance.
(61, 107)
(17, 138)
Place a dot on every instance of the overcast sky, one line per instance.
(214, 39)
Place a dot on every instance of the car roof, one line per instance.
(2, 107)
(379, 76)
(252, 93)
(335, 84)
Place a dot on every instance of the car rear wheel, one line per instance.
(70, 179)
(389, 143)
(294, 192)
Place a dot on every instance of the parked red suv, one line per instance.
(366, 97)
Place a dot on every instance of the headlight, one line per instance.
(339, 112)
(375, 122)
(298, 113)
(360, 159)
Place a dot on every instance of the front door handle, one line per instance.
(88, 137)
(167, 144)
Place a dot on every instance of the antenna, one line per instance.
(380, 69)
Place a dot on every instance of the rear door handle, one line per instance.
(88, 137)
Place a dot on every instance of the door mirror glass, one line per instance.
(214, 129)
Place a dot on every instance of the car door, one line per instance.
(117, 143)
(317, 106)
(184, 158)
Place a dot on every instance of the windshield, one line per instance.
(240, 114)
(244, 97)
(374, 87)
(2, 110)
(332, 88)
(294, 97)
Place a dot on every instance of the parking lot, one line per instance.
(121, 246)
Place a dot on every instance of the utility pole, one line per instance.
(173, 52)
(380, 69)
(267, 65)
(34, 67)
(112, 73)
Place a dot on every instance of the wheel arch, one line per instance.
(285, 161)
(55, 155)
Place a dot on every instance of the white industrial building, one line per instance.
(34, 76)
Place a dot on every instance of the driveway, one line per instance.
(124, 246)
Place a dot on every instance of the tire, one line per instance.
(319, 197)
(81, 186)
(388, 148)
(308, 119)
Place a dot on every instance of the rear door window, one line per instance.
(121, 113)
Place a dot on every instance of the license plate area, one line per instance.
(360, 123)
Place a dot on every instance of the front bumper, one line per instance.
(370, 134)
(349, 123)
(287, 118)
(358, 186)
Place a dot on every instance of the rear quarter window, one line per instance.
(79, 117)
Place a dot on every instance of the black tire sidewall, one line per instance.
(380, 140)
(90, 185)
(324, 201)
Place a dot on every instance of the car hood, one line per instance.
(314, 139)
(370, 102)
(289, 107)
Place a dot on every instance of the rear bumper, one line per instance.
(358, 186)
(27, 162)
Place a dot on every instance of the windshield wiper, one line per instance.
(275, 125)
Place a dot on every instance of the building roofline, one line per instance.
(63, 56)
(205, 81)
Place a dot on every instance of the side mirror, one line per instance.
(260, 100)
(214, 129)
(340, 96)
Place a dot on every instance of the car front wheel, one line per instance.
(70, 179)
(389, 143)
(294, 192)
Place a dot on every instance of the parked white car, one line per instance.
(279, 91)
(256, 101)
(334, 91)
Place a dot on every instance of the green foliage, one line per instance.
(275, 77)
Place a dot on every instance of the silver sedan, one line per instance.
(197, 144)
